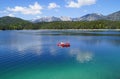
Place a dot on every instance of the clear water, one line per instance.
(35, 55)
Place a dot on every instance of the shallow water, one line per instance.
(34, 54)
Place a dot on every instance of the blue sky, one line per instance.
(30, 9)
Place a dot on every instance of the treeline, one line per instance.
(10, 23)
(100, 24)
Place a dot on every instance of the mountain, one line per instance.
(88, 17)
(65, 18)
(114, 16)
(46, 19)
(91, 17)
(50, 19)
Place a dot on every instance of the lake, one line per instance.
(34, 54)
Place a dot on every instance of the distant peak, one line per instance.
(98, 13)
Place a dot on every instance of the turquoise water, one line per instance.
(35, 55)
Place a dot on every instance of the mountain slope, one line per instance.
(65, 18)
(46, 19)
(114, 16)
(91, 17)
(10, 22)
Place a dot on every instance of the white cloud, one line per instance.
(53, 5)
(31, 9)
(79, 3)
(11, 15)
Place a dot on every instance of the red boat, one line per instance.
(62, 44)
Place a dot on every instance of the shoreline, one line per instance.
(68, 29)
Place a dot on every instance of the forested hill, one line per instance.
(13, 23)
(8, 23)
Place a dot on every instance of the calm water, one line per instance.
(35, 55)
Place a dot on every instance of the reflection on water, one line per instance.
(35, 53)
(81, 56)
(98, 40)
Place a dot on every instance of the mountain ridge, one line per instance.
(88, 17)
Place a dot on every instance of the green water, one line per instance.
(35, 55)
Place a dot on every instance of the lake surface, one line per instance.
(35, 55)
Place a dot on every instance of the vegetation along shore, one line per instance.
(13, 23)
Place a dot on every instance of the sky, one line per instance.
(31, 9)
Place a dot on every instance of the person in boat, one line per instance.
(61, 42)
